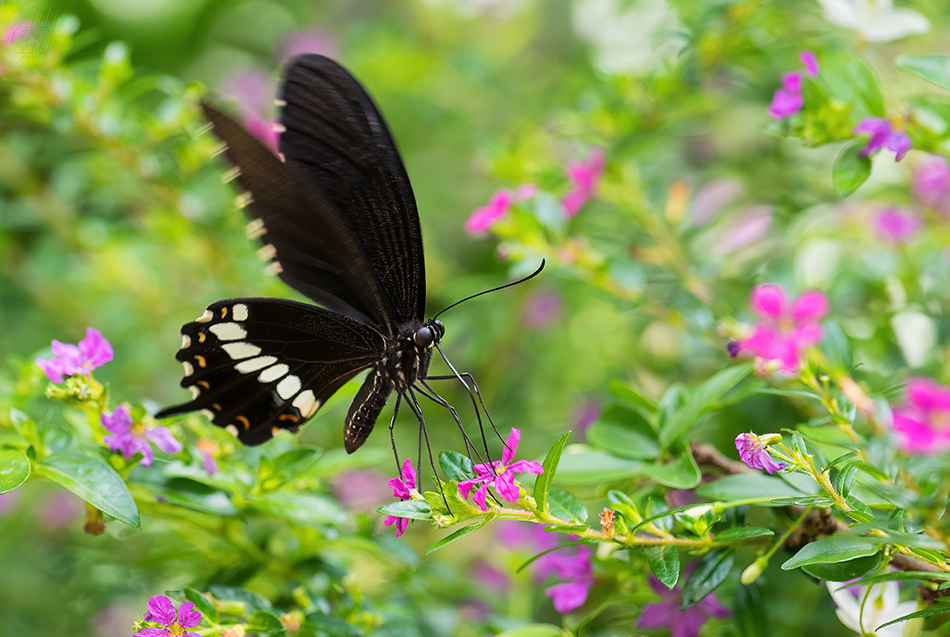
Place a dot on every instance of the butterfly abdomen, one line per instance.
(365, 409)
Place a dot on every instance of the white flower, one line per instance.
(883, 605)
(629, 37)
(875, 20)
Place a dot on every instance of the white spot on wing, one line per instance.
(280, 103)
(189, 369)
(267, 253)
(273, 372)
(306, 403)
(230, 175)
(233, 430)
(228, 331)
(274, 268)
(255, 229)
(217, 150)
(243, 200)
(205, 318)
(254, 364)
(195, 391)
(185, 341)
(279, 128)
(208, 413)
(239, 312)
(241, 349)
(288, 387)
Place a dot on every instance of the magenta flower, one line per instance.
(753, 450)
(307, 41)
(502, 474)
(784, 332)
(810, 61)
(402, 489)
(92, 352)
(162, 611)
(263, 130)
(498, 206)
(932, 183)
(923, 423)
(584, 177)
(787, 100)
(490, 577)
(896, 225)
(16, 31)
(577, 569)
(882, 135)
(131, 437)
(681, 623)
(252, 88)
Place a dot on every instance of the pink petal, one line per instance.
(792, 82)
(52, 368)
(526, 466)
(400, 488)
(95, 348)
(917, 436)
(896, 225)
(768, 300)
(785, 104)
(485, 216)
(505, 486)
(811, 305)
(526, 191)
(511, 446)
(872, 126)
(164, 439)
(154, 632)
(760, 343)
(806, 335)
(480, 496)
(659, 614)
(187, 618)
(928, 394)
(710, 605)
(898, 142)
(810, 61)
(568, 596)
(142, 446)
(409, 474)
(15, 31)
(162, 610)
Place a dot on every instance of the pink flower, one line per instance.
(60, 510)
(15, 31)
(923, 423)
(162, 611)
(501, 474)
(713, 197)
(577, 569)
(498, 206)
(402, 489)
(541, 308)
(586, 414)
(307, 41)
(667, 613)
(92, 352)
(262, 129)
(882, 135)
(785, 332)
(134, 437)
(490, 577)
(810, 61)
(360, 490)
(252, 88)
(584, 177)
(749, 226)
(896, 225)
(754, 452)
(787, 100)
(932, 183)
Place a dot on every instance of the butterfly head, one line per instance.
(429, 334)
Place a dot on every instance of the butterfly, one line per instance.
(338, 222)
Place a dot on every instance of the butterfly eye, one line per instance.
(440, 328)
(423, 337)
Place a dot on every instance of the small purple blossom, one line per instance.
(92, 352)
(753, 451)
(584, 177)
(784, 332)
(131, 437)
(161, 611)
(667, 613)
(932, 183)
(498, 206)
(501, 474)
(490, 577)
(402, 489)
(883, 135)
(810, 61)
(896, 225)
(577, 569)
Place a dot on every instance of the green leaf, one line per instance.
(745, 486)
(830, 550)
(14, 469)
(665, 563)
(252, 601)
(265, 622)
(859, 511)
(934, 68)
(457, 535)
(276, 472)
(19, 419)
(844, 571)
(625, 392)
(94, 481)
(302, 508)
(751, 617)
(542, 484)
(835, 345)
(850, 169)
(803, 501)
(198, 497)
(329, 626)
(845, 479)
(933, 611)
(681, 472)
(567, 507)
(712, 570)
(624, 432)
(456, 466)
(412, 509)
(739, 533)
(701, 401)
(594, 467)
(202, 604)
(535, 630)
(898, 576)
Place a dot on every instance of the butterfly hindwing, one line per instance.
(333, 132)
(263, 365)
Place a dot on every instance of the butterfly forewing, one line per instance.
(262, 365)
(337, 137)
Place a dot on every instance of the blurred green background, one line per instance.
(112, 215)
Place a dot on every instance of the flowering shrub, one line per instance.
(737, 353)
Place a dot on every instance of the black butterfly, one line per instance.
(338, 221)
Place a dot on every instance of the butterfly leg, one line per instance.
(392, 439)
(430, 393)
(416, 408)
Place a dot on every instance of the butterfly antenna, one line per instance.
(500, 287)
